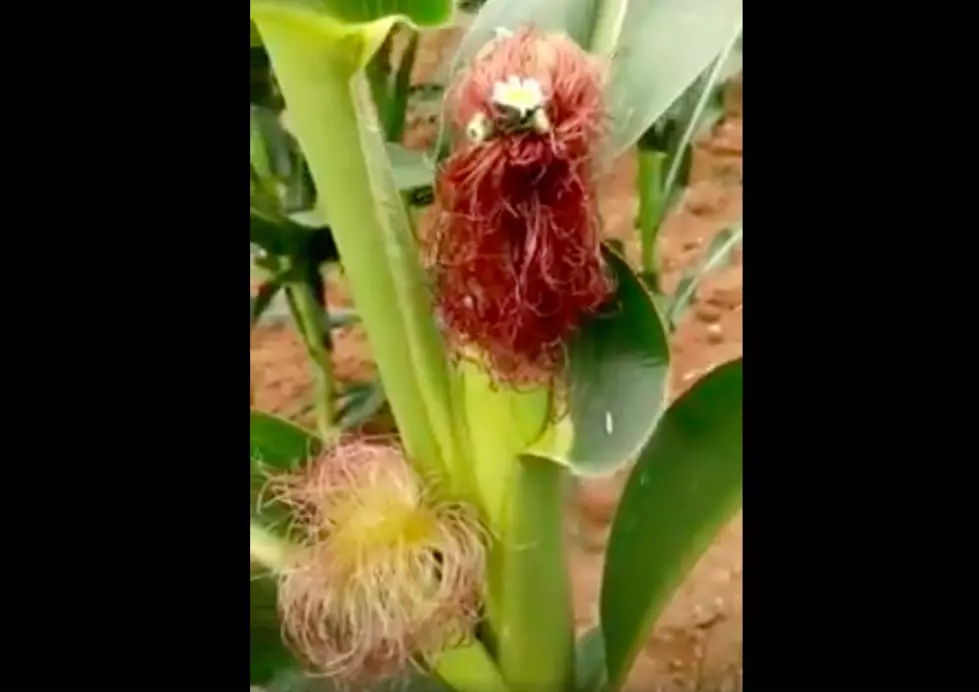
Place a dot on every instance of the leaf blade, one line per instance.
(279, 445)
(719, 252)
(664, 46)
(684, 488)
(618, 369)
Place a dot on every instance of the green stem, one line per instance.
(530, 597)
(311, 325)
(652, 204)
(607, 25)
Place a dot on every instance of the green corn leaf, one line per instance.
(719, 253)
(664, 46)
(618, 368)
(685, 487)
(276, 445)
(693, 117)
(366, 23)
(268, 655)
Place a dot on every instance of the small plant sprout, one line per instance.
(385, 574)
(515, 252)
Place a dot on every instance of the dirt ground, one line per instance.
(697, 642)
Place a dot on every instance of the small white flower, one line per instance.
(522, 95)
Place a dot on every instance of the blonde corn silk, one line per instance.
(388, 573)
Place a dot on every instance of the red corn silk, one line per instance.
(515, 250)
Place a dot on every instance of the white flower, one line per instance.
(522, 95)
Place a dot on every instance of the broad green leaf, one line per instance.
(367, 23)
(663, 47)
(317, 64)
(719, 252)
(685, 487)
(590, 661)
(618, 367)
(276, 445)
(279, 445)
(427, 13)
(693, 115)
(569, 16)
(268, 656)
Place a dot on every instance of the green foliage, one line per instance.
(276, 445)
(719, 253)
(664, 46)
(333, 63)
(685, 487)
(618, 368)
(666, 152)
(267, 656)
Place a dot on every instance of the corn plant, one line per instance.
(515, 350)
